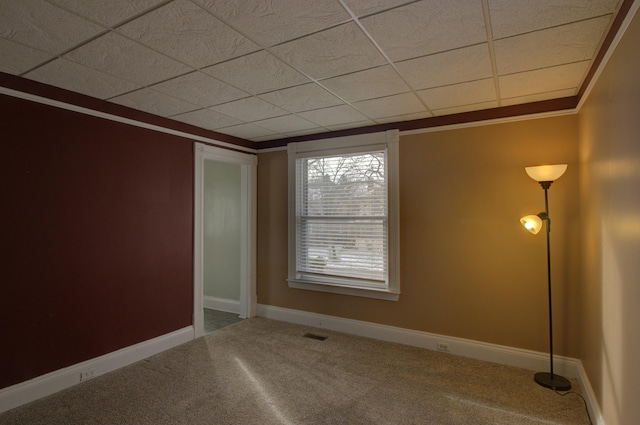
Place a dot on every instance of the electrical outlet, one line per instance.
(87, 374)
(443, 346)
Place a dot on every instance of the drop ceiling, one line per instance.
(263, 70)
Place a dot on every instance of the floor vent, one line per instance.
(314, 336)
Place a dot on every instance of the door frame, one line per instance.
(248, 235)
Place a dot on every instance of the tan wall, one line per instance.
(468, 268)
(610, 202)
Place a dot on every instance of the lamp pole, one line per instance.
(550, 380)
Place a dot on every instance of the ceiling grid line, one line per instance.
(492, 53)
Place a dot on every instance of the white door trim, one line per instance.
(248, 203)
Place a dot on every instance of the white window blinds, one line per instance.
(342, 218)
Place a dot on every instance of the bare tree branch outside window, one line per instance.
(342, 215)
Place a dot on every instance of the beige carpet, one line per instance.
(262, 372)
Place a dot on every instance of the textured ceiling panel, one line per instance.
(512, 17)
(206, 118)
(555, 46)
(287, 123)
(123, 58)
(336, 51)
(188, 33)
(376, 82)
(368, 7)
(250, 132)
(440, 69)
(269, 69)
(406, 117)
(334, 115)
(154, 102)
(16, 58)
(543, 80)
(465, 108)
(400, 104)
(538, 97)
(250, 109)
(301, 98)
(78, 78)
(108, 13)
(427, 27)
(200, 89)
(38, 24)
(273, 22)
(459, 94)
(241, 73)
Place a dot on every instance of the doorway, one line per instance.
(211, 164)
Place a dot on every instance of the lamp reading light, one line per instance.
(545, 175)
(532, 223)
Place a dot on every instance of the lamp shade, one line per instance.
(546, 173)
(532, 223)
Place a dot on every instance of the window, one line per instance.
(343, 215)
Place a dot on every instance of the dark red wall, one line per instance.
(97, 245)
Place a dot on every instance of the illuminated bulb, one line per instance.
(532, 223)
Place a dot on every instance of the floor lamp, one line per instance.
(545, 175)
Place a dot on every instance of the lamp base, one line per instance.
(554, 381)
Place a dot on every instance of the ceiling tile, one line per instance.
(407, 117)
(188, 33)
(206, 118)
(351, 125)
(539, 96)
(286, 123)
(154, 102)
(511, 17)
(247, 131)
(267, 138)
(376, 82)
(273, 74)
(273, 22)
(43, 26)
(543, 80)
(332, 52)
(334, 115)
(200, 89)
(554, 46)
(367, 7)
(400, 104)
(16, 58)
(108, 13)
(459, 94)
(314, 130)
(427, 27)
(452, 67)
(126, 59)
(466, 108)
(301, 98)
(72, 76)
(249, 109)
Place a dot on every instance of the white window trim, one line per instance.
(364, 141)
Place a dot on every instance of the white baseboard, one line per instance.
(222, 304)
(33, 389)
(526, 359)
(590, 397)
(463, 347)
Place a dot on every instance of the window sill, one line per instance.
(345, 290)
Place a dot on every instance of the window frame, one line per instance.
(344, 145)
